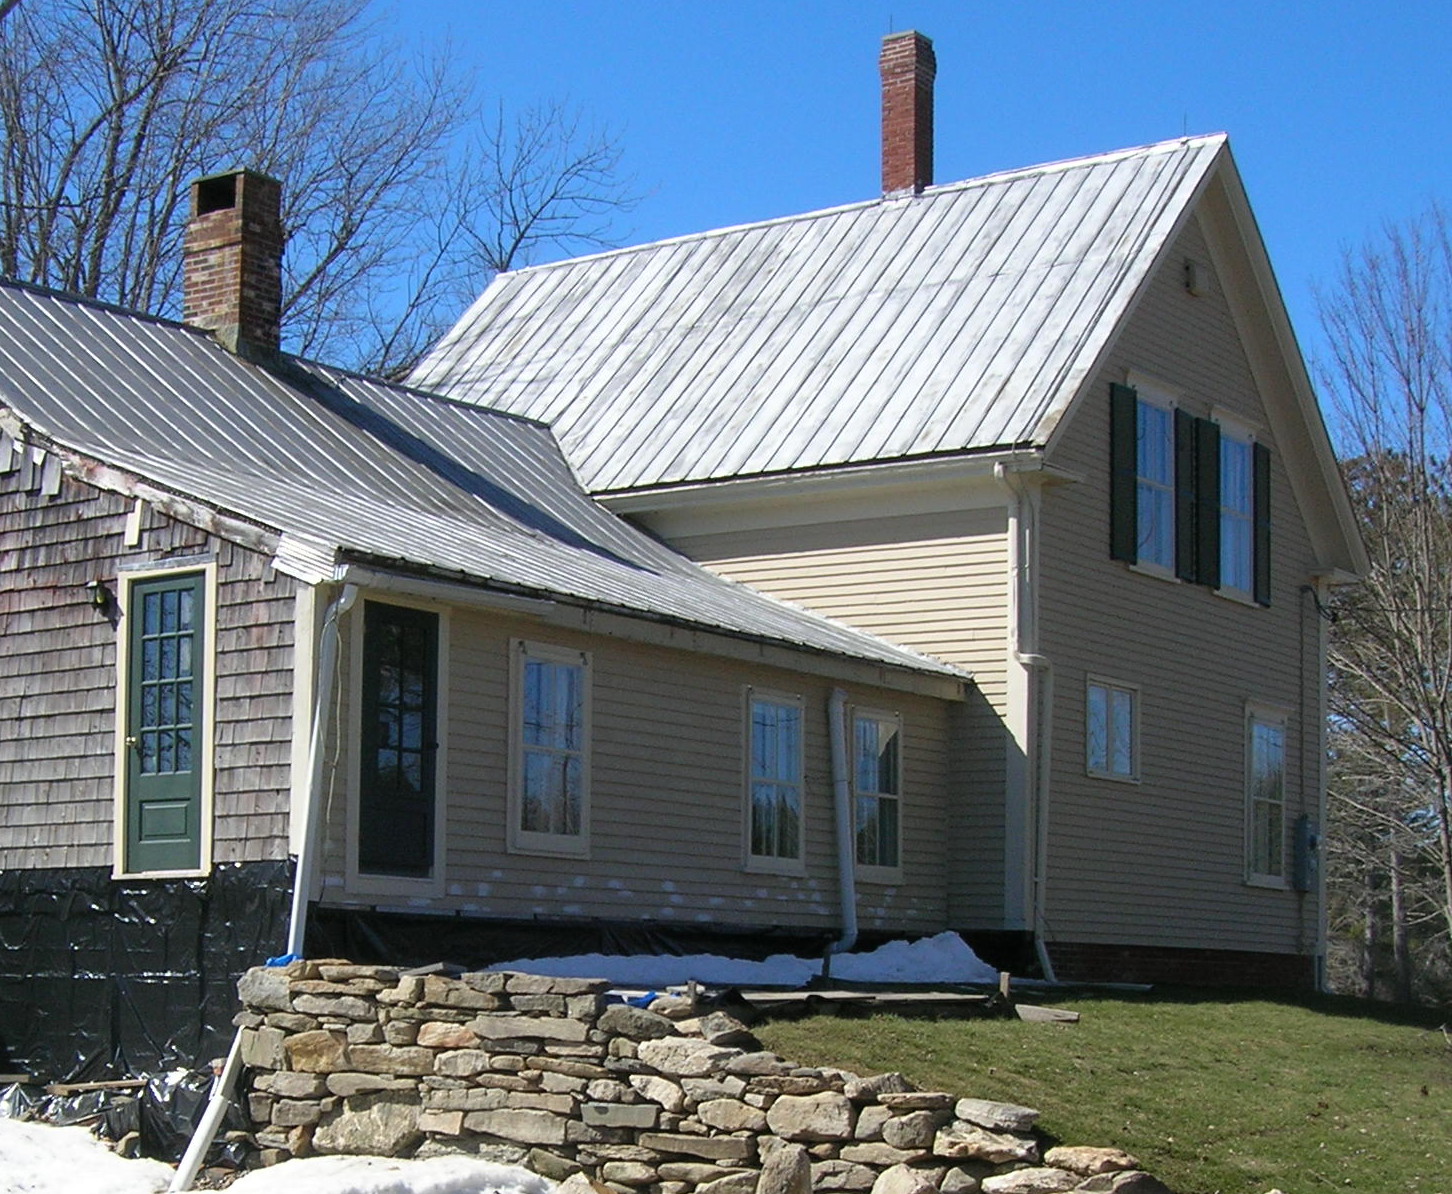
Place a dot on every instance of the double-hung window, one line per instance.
(549, 805)
(1237, 513)
(1187, 499)
(877, 789)
(1111, 732)
(774, 836)
(1265, 832)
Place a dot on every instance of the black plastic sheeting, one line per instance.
(103, 978)
(398, 939)
(163, 1113)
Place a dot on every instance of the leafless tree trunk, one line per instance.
(1370, 938)
(394, 189)
(1401, 939)
(1389, 326)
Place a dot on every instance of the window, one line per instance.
(398, 741)
(1266, 798)
(1185, 499)
(1155, 485)
(165, 739)
(1111, 731)
(877, 788)
(550, 765)
(1237, 514)
(774, 783)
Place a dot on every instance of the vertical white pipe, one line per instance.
(842, 799)
(322, 700)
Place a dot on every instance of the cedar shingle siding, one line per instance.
(58, 680)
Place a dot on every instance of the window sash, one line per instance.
(1155, 485)
(877, 786)
(775, 828)
(552, 773)
(1237, 515)
(1266, 803)
(1111, 734)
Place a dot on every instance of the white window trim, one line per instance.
(365, 883)
(768, 864)
(126, 579)
(879, 874)
(1279, 716)
(521, 841)
(1110, 685)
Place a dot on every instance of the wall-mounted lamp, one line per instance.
(99, 594)
(1194, 277)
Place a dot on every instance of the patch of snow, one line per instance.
(945, 958)
(43, 1159)
(384, 1175)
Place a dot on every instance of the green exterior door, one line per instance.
(399, 741)
(165, 724)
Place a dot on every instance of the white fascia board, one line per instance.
(825, 495)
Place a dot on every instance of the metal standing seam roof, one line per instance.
(365, 469)
(960, 319)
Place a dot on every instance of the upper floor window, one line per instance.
(1237, 514)
(774, 782)
(1184, 503)
(549, 764)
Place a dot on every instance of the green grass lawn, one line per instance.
(1215, 1094)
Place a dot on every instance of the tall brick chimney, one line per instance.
(908, 66)
(232, 259)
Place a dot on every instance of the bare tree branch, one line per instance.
(399, 203)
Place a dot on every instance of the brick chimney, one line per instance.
(908, 66)
(232, 276)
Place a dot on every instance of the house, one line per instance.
(293, 659)
(1049, 425)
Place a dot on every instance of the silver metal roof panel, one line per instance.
(359, 469)
(961, 319)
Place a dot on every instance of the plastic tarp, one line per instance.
(104, 978)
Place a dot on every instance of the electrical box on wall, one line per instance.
(1306, 854)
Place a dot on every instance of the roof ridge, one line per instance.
(993, 178)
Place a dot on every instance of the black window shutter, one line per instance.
(1261, 459)
(1207, 511)
(1123, 473)
(1186, 491)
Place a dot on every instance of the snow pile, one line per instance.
(383, 1175)
(42, 1159)
(945, 958)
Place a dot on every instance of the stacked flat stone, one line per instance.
(543, 1072)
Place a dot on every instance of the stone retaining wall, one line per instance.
(543, 1072)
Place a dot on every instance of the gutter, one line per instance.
(1023, 524)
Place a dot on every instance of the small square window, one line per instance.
(1111, 730)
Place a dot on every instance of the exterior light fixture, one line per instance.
(99, 594)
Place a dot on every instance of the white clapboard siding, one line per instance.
(667, 794)
(937, 583)
(1162, 862)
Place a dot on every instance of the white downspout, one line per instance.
(1025, 632)
(842, 799)
(186, 1170)
(322, 699)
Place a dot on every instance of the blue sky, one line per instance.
(1340, 114)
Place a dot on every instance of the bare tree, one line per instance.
(108, 108)
(1389, 374)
